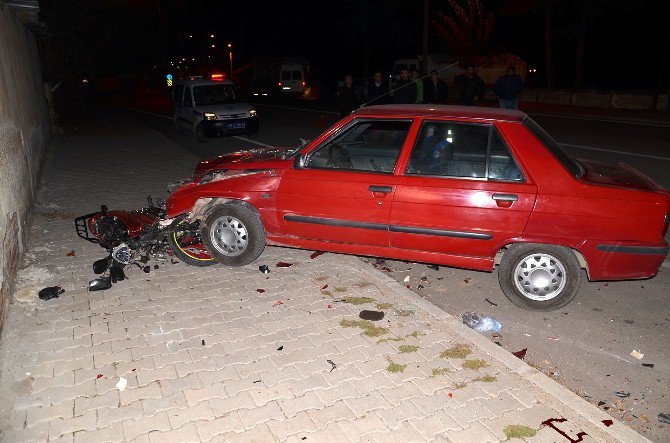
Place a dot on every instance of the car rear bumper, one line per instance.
(623, 260)
(220, 128)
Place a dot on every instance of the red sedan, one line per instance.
(465, 187)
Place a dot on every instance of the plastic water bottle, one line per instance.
(484, 324)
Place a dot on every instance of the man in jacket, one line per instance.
(405, 89)
(508, 88)
(435, 90)
(377, 90)
(472, 86)
(347, 97)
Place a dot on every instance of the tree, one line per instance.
(467, 28)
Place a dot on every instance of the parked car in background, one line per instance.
(467, 187)
(212, 108)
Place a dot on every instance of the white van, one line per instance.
(212, 108)
(292, 78)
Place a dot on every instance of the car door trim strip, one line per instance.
(645, 250)
(382, 227)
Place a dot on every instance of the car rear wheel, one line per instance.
(539, 277)
(234, 234)
(200, 134)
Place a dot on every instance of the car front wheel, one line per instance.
(539, 277)
(234, 234)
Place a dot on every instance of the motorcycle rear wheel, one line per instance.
(187, 245)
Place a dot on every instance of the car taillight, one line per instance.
(218, 77)
(279, 84)
(303, 84)
(665, 226)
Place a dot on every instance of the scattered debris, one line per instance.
(116, 274)
(467, 280)
(419, 287)
(50, 292)
(316, 254)
(648, 365)
(256, 381)
(277, 303)
(434, 267)
(371, 315)
(520, 354)
(121, 384)
(70, 253)
(368, 327)
(330, 306)
(281, 348)
(600, 403)
(99, 376)
(406, 279)
(475, 365)
(458, 351)
(146, 269)
(553, 338)
(100, 284)
(637, 354)
(282, 264)
(156, 266)
(324, 287)
(203, 342)
(332, 364)
(483, 324)
(379, 261)
(490, 302)
(424, 278)
(264, 269)
(395, 367)
(406, 349)
(622, 394)
(260, 291)
(549, 422)
(450, 395)
(664, 418)
(519, 431)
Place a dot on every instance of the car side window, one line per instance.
(188, 100)
(368, 145)
(452, 149)
(178, 93)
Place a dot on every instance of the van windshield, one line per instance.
(215, 95)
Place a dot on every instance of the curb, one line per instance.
(556, 394)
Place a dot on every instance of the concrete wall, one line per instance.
(24, 133)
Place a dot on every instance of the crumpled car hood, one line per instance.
(256, 158)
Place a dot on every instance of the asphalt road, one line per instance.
(586, 345)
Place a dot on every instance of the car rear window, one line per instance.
(568, 162)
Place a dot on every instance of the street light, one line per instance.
(211, 35)
(230, 56)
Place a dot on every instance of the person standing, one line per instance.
(419, 86)
(405, 89)
(377, 90)
(435, 90)
(472, 86)
(508, 88)
(347, 97)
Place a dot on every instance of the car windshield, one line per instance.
(568, 162)
(215, 95)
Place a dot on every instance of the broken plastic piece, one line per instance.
(467, 280)
(282, 264)
(490, 302)
(277, 303)
(316, 254)
(332, 364)
(637, 354)
(434, 267)
(324, 287)
(122, 383)
(100, 284)
(406, 279)
(419, 287)
(664, 418)
(203, 342)
(281, 348)
(146, 269)
(260, 291)
(608, 423)
(70, 253)
(520, 354)
(99, 376)
(371, 315)
(622, 394)
(600, 403)
(648, 365)
(264, 269)
(330, 306)
(155, 266)
(100, 266)
(483, 324)
(116, 273)
(50, 292)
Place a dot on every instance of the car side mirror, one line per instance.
(300, 161)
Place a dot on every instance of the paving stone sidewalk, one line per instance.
(231, 354)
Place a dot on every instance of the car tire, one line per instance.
(177, 125)
(234, 234)
(539, 277)
(175, 240)
(200, 134)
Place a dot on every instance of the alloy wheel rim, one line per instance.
(229, 236)
(540, 277)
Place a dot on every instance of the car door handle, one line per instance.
(380, 189)
(505, 197)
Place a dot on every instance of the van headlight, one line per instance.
(209, 116)
(253, 112)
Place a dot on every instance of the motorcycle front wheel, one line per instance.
(186, 244)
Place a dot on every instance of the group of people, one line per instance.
(411, 89)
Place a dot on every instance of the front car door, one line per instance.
(462, 192)
(344, 191)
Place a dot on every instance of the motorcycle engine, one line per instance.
(109, 230)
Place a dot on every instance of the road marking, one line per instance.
(609, 120)
(295, 109)
(234, 136)
(612, 151)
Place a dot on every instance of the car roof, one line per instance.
(203, 82)
(474, 112)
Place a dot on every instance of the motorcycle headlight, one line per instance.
(253, 112)
(209, 116)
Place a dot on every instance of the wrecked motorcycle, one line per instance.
(133, 237)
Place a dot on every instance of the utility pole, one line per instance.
(424, 53)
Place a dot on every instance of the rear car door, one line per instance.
(462, 192)
(344, 191)
(187, 112)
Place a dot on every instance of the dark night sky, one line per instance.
(623, 49)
